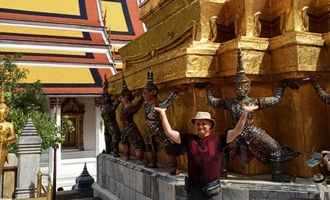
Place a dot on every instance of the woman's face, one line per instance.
(203, 127)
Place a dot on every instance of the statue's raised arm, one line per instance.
(115, 104)
(169, 100)
(135, 105)
(325, 97)
(265, 102)
(214, 101)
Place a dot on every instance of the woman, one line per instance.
(204, 152)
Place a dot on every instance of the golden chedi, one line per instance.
(194, 43)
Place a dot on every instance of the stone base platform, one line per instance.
(128, 180)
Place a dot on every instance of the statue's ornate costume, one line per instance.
(111, 130)
(153, 119)
(130, 134)
(258, 142)
(155, 139)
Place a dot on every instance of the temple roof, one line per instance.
(123, 19)
(66, 47)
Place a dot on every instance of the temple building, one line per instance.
(66, 45)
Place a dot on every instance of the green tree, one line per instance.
(10, 74)
(27, 101)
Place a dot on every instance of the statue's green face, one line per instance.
(149, 95)
(243, 89)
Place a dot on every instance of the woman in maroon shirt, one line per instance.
(204, 151)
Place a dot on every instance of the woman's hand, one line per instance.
(250, 107)
(160, 110)
(325, 152)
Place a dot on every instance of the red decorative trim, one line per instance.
(93, 39)
(73, 91)
(94, 58)
(92, 18)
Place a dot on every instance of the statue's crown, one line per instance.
(150, 82)
(240, 73)
(125, 91)
(105, 85)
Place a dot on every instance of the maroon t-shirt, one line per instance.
(204, 157)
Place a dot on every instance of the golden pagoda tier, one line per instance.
(195, 42)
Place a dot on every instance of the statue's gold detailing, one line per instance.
(7, 133)
(193, 42)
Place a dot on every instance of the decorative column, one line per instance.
(28, 152)
(99, 128)
(55, 105)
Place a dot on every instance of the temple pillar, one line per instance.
(99, 128)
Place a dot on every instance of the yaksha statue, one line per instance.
(258, 142)
(111, 130)
(130, 134)
(7, 133)
(156, 138)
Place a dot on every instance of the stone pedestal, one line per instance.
(28, 152)
(122, 180)
(255, 190)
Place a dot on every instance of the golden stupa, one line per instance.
(194, 42)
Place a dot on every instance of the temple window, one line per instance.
(270, 27)
(319, 22)
(226, 33)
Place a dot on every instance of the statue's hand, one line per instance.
(311, 79)
(181, 89)
(209, 85)
(115, 97)
(137, 93)
(292, 83)
(160, 110)
(210, 92)
(250, 107)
